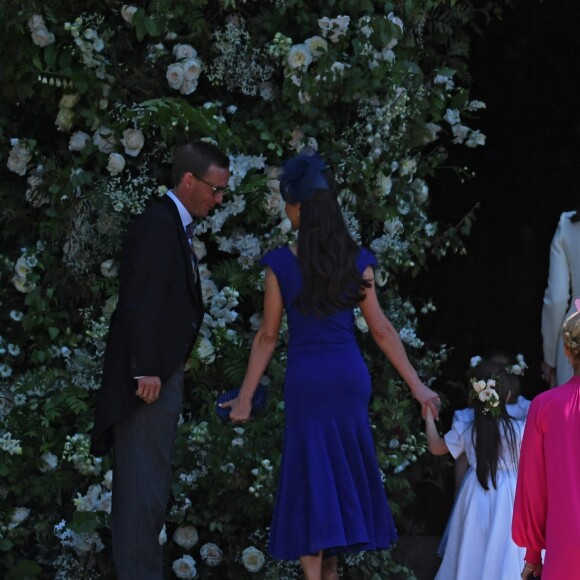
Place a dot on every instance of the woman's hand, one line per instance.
(429, 400)
(240, 409)
(531, 570)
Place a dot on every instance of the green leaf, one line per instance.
(4, 469)
(84, 522)
(5, 545)
(53, 332)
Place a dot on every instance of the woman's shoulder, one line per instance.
(277, 255)
(365, 258)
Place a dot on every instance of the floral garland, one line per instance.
(518, 368)
(485, 392)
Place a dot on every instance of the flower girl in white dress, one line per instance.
(479, 544)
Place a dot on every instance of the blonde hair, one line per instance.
(571, 335)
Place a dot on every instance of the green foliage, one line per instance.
(98, 96)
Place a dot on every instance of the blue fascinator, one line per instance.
(302, 176)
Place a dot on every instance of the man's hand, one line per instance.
(148, 388)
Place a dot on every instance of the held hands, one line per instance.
(429, 400)
(148, 388)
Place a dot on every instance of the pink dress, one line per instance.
(547, 504)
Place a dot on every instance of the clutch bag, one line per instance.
(258, 402)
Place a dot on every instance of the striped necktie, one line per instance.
(189, 236)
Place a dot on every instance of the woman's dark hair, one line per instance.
(487, 429)
(327, 255)
(195, 157)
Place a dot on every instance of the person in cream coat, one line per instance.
(563, 287)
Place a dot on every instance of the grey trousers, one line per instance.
(142, 454)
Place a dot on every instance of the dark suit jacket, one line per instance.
(158, 315)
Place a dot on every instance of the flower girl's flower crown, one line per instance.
(486, 393)
(516, 369)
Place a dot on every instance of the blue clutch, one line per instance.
(258, 402)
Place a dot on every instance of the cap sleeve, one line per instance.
(519, 409)
(366, 258)
(454, 438)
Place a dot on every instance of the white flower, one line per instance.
(116, 163)
(211, 555)
(69, 100)
(317, 45)
(479, 386)
(64, 119)
(109, 269)
(361, 323)
(474, 361)
(78, 141)
(192, 69)
(432, 131)
(475, 138)
(460, 132)
(36, 22)
(23, 285)
(127, 12)
(206, 351)
(186, 537)
(485, 395)
(299, 57)
(325, 25)
(42, 37)
(19, 157)
(104, 139)
(48, 462)
(253, 559)
(174, 75)
(452, 116)
(395, 20)
(133, 141)
(184, 567)
(18, 516)
(184, 51)
(199, 248)
(188, 87)
(22, 267)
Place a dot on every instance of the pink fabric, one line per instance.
(547, 503)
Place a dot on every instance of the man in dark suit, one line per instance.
(152, 333)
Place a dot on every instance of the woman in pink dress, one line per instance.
(547, 503)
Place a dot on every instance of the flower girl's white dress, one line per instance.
(478, 538)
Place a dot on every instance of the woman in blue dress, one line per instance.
(330, 498)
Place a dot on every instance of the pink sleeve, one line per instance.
(529, 519)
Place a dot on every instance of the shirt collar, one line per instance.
(185, 216)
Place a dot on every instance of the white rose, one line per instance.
(485, 395)
(206, 351)
(127, 12)
(188, 87)
(211, 555)
(64, 119)
(104, 139)
(475, 360)
(299, 56)
(36, 22)
(185, 567)
(109, 269)
(184, 51)
(479, 386)
(78, 141)
(133, 141)
(192, 69)
(18, 158)
(23, 285)
(48, 462)
(253, 559)
(325, 25)
(174, 75)
(22, 267)
(317, 45)
(108, 479)
(42, 37)
(116, 163)
(69, 100)
(105, 503)
(186, 537)
(18, 516)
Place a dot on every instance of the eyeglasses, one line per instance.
(216, 190)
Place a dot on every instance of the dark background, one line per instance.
(526, 69)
